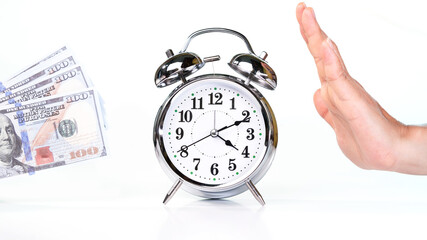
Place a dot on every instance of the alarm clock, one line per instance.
(215, 135)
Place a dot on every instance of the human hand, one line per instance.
(365, 132)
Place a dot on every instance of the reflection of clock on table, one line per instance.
(215, 135)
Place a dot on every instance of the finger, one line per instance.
(314, 34)
(346, 97)
(303, 34)
(345, 91)
(322, 108)
(337, 52)
(300, 9)
(313, 37)
(333, 65)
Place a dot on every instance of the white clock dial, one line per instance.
(214, 132)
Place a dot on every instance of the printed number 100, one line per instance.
(82, 152)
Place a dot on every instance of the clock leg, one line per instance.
(255, 192)
(172, 191)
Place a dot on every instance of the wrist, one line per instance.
(411, 154)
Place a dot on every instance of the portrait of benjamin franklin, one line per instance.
(10, 149)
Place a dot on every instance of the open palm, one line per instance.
(365, 132)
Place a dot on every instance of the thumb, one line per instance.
(321, 108)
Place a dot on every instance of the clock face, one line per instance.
(214, 132)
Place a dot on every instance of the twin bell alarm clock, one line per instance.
(215, 135)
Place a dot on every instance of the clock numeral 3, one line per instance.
(251, 135)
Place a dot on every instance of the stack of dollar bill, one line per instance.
(49, 116)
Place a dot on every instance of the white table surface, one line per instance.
(312, 191)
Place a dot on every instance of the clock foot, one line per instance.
(255, 192)
(172, 191)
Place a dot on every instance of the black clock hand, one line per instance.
(228, 143)
(185, 147)
(236, 123)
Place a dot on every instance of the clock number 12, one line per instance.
(217, 96)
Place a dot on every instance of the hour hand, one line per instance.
(228, 143)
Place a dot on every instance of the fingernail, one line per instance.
(314, 14)
(303, 4)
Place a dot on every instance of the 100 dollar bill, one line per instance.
(44, 60)
(64, 82)
(53, 66)
(50, 132)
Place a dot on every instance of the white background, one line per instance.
(312, 191)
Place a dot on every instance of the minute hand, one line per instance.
(185, 147)
(236, 123)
